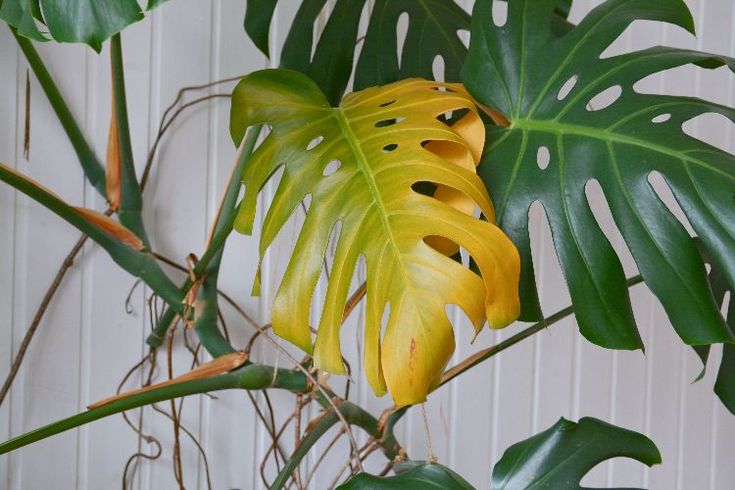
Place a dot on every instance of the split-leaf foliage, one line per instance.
(357, 164)
(520, 70)
(540, 73)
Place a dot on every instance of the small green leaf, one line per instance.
(559, 457)
(416, 475)
(525, 70)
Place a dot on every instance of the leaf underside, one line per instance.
(358, 163)
(520, 70)
(559, 457)
(83, 21)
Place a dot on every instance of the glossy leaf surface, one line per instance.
(417, 475)
(433, 30)
(357, 163)
(725, 297)
(524, 70)
(559, 457)
(73, 21)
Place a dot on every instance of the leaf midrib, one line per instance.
(605, 135)
(366, 170)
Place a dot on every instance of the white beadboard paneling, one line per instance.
(87, 341)
(8, 130)
(50, 375)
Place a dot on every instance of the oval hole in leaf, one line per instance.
(331, 168)
(437, 68)
(390, 147)
(401, 33)
(661, 118)
(605, 98)
(500, 13)
(725, 303)
(314, 143)
(389, 122)
(425, 188)
(567, 88)
(386, 104)
(543, 157)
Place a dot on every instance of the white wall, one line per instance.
(87, 341)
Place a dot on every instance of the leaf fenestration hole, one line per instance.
(500, 13)
(314, 143)
(661, 118)
(390, 147)
(543, 157)
(464, 36)
(599, 205)
(711, 128)
(389, 122)
(331, 168)
(664, 193)
(437, 68)
(401, 33)
(567, 88)
(386, 104)
(605, 99)
(725, 309)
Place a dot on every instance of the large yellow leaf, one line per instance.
(383, 141)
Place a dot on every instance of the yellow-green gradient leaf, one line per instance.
(358, 163)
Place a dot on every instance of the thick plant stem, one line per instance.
(251, 377)
(92, 167)
(208, 266)
(131, 207)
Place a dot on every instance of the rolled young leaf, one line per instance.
(358, 163)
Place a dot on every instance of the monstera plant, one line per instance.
(427, 185)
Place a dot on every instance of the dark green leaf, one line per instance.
(258, 17)
(559, 457)
(19, 14)
(520, 70)
(416, 475)
(74, 21)
(433, 30)
(725, 382)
